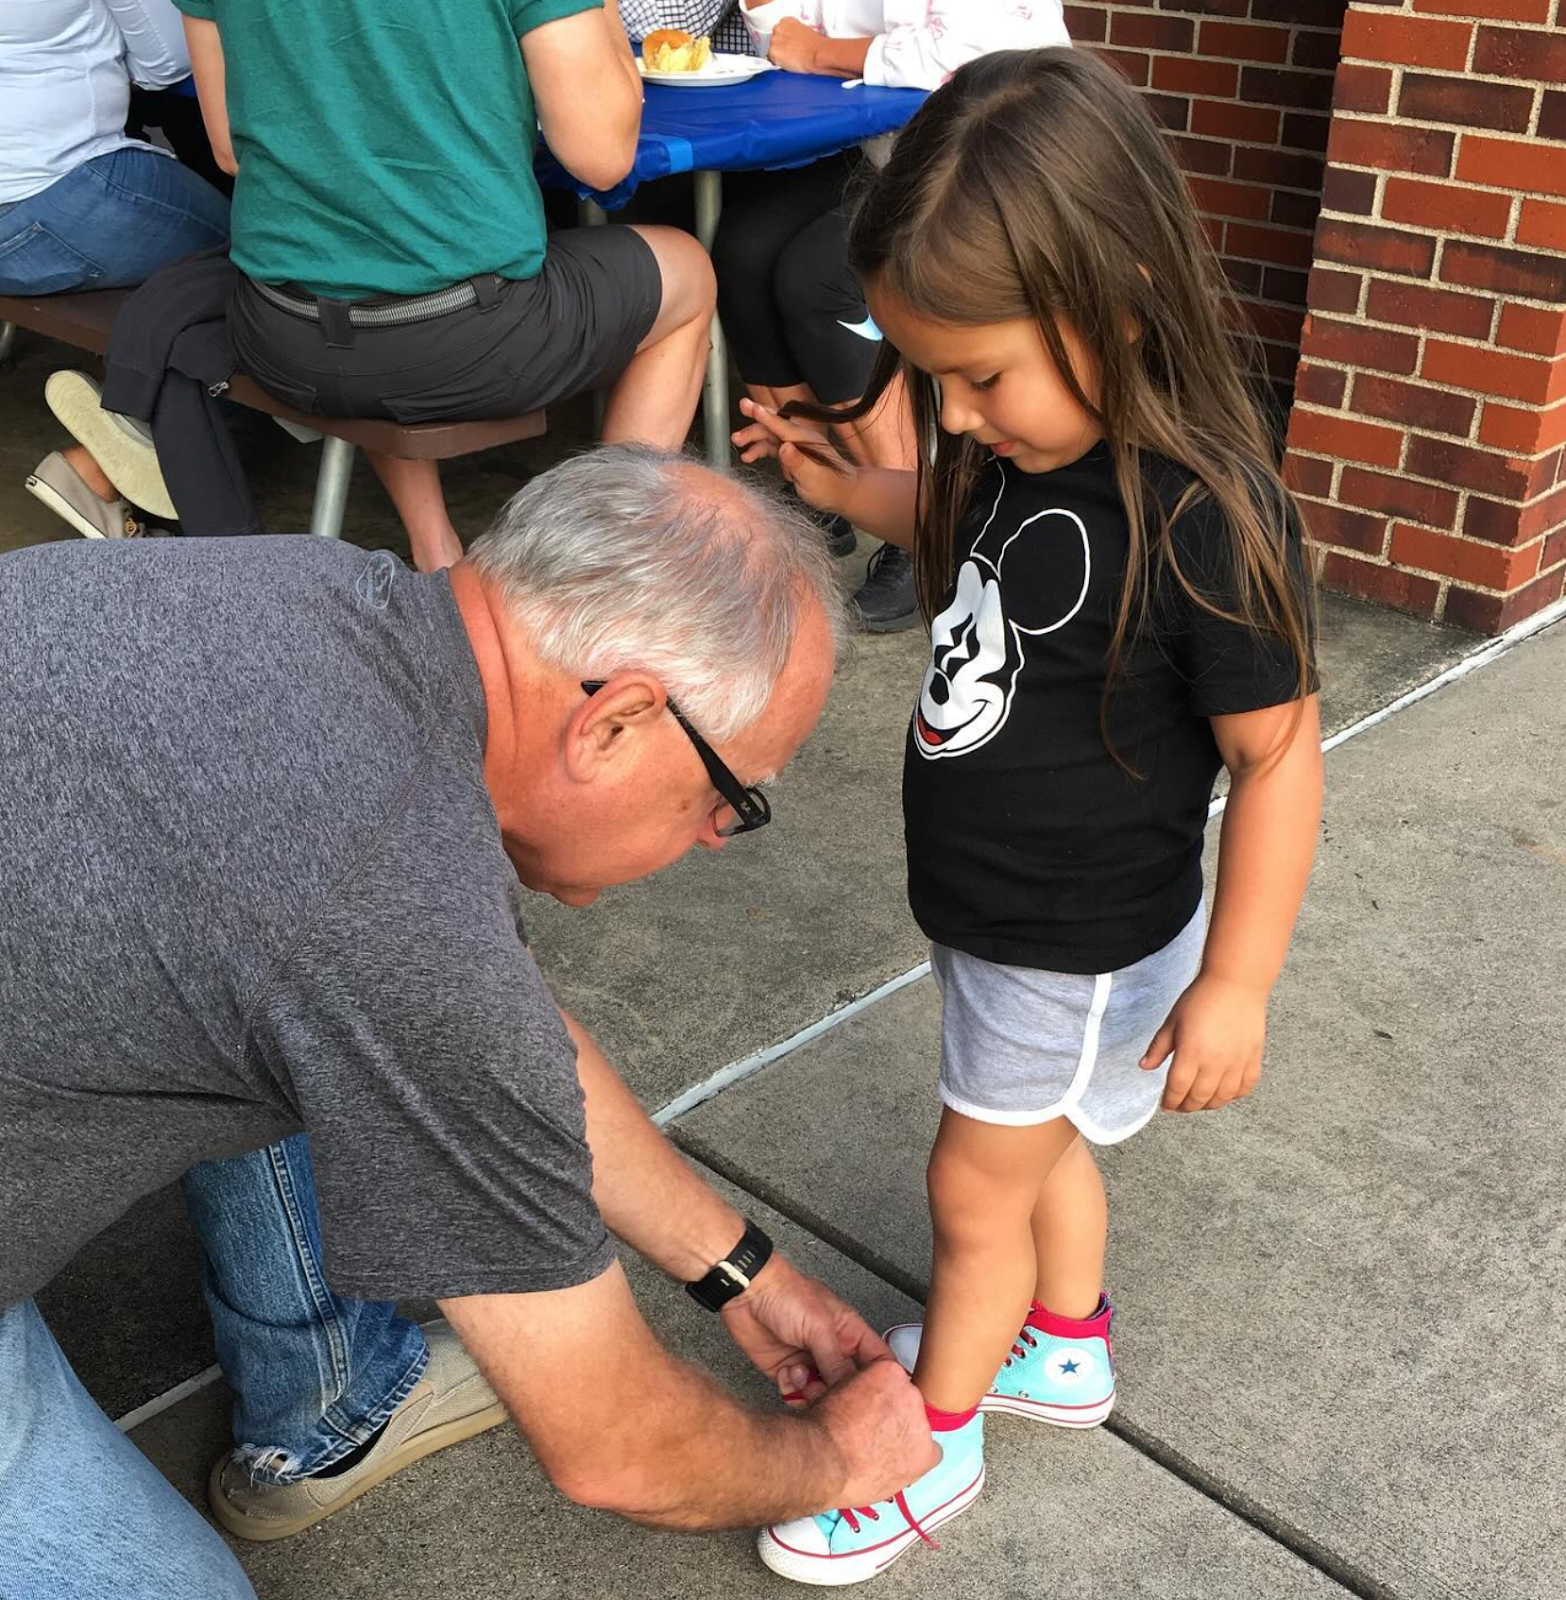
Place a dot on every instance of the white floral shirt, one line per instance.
(919, 44)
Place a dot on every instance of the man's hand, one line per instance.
(1216, 1031)
(878, 1423)
(799, 1333)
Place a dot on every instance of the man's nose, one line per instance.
(709, 838)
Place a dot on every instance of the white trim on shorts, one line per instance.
(1069, 1103)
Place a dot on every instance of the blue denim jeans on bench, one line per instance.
(314, 1374)
(83, 1514)
(110, 224)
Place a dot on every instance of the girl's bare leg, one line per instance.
(1070, 1227)
(414, 487)
(985, 1182)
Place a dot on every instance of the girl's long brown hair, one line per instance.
(1036, 185)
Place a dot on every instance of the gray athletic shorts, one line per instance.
(1021, 1046)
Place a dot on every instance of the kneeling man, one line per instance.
(266, 803)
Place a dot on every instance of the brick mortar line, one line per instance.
(1415, 381)
(1478, 342)
(1347, 413)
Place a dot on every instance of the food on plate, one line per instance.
(674, 50)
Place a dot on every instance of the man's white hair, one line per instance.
(628, 557)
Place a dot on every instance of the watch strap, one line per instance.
(732, 1275)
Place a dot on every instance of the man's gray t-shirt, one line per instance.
(251, 882)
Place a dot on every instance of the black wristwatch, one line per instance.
(733, 1273)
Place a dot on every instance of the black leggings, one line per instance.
(788, 298)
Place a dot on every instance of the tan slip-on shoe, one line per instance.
(118, 444)
(58, 484)
(451, 1402)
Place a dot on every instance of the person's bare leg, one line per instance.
(984, 1182)
(82, 462)
(654, 400)
(414, 487)
(1070, 1230)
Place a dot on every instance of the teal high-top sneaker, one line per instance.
(855, 1543)
(1060, 1370)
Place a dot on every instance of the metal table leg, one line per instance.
(7, 339)
(715, 392)
(331, 488)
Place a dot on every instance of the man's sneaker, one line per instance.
(449, 1403)
(886, 602)
(857, 1542)
(1060, 1370)
(62, 488)
(120, 445)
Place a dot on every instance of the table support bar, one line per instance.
(715, 392)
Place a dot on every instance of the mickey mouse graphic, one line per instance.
(1009, 588)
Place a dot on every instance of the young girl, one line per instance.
(1113, 578)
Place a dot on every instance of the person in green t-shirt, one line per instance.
(389, 231)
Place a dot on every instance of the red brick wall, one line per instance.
(1245, 89)
(1427, 439)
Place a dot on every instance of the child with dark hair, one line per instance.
(1113, 577)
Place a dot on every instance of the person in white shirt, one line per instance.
(898, 44)
(82, 204)
(792, 309)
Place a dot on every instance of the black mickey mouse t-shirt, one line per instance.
(1028, 844)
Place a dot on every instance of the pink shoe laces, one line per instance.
(1023, 1338)
(852, 1514)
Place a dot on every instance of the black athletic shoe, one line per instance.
(838, 532)
(885, 601)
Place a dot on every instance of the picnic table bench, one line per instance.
(84, 320)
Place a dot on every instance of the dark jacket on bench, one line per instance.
(169, 359)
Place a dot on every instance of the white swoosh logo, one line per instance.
(866, 329)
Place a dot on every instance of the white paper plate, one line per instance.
(720, 69)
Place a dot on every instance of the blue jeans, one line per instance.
(110, 224)
(313, 1375)
(83, 1513)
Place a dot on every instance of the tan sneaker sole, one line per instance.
(414, 1448)
(128, 460)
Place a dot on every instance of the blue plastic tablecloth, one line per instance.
(776, 119)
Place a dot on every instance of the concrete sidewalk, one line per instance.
(1339, 1374)
(1337, 1371)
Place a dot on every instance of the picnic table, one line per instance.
(774, 120)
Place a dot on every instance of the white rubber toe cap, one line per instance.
(803, 1538)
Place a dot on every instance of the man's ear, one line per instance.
(600, 733)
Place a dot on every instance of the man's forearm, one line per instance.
(647, 1193)
(708, 1462)
(642, 1434)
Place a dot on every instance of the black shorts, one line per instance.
(573, 327)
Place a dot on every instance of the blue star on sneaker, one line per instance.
(1068, 1366)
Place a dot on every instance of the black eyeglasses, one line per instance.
(747, 802)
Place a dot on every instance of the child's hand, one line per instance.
(827, 488)
(1216, 1031)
